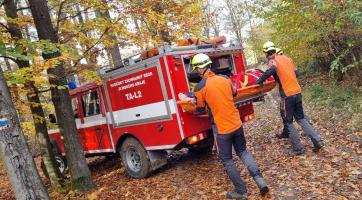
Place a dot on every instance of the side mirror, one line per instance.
(52, 118)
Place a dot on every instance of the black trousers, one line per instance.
(293, 108)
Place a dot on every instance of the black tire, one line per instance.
(135, 159)
(61, 163)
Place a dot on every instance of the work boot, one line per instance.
(261, 185)
(236, 195)
(317, 146)
(297, 152)
(282, 135)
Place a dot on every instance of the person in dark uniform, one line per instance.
(284, 72)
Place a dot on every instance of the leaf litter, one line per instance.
(333, 173)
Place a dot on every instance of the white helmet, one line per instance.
(200, 60)
(279, 51)
(268, 46)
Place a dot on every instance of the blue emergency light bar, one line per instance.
(72, 85)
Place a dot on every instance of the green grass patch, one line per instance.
(334, 96)
(341, 102)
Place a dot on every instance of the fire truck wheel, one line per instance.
(135, 159)
(60, 162)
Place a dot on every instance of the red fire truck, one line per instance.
(134, 113)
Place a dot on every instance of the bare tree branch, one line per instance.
(60, 19)
(58, 15)
(80, 67)
(3, 25)
(23, 8)
(91, 47)
(73, 16)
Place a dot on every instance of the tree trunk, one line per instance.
(80, 173)
(206, 18)
(44, 140)
(35, 106)
(165, 36)
(114, 50)
(15, 153)
(235, 21)
(109, 56)
(91, 60)
(7, 63)
(252, 33)
(216, 30)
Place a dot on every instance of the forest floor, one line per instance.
(333, 173)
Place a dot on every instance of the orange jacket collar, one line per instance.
(208, 74)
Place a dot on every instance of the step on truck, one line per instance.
(134, 112)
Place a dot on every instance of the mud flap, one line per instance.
(157, 158)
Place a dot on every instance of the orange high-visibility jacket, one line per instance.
(217, 93)
(285, 69)
(284, 72)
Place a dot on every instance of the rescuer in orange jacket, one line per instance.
(285, 132)
(283, 70)
(216, 93)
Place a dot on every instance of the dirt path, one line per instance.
(334, 173)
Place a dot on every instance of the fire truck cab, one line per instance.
(134, 112)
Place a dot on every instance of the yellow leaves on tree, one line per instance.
(163, 20)
(325, 33)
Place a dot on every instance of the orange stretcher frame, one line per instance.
(244, 94)
(253, 90)
(186, 42)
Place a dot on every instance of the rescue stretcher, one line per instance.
(246, 87)
(186, 43)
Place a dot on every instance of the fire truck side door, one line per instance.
(94, 131)
(138, 96)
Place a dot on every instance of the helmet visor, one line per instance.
(266, 50)
(201, 64)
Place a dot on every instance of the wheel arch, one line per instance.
(124, 137)
(157, 158)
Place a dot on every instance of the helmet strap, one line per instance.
(270, 53)
(206, 68)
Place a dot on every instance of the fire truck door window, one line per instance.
(90, 104)
(75, 107)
